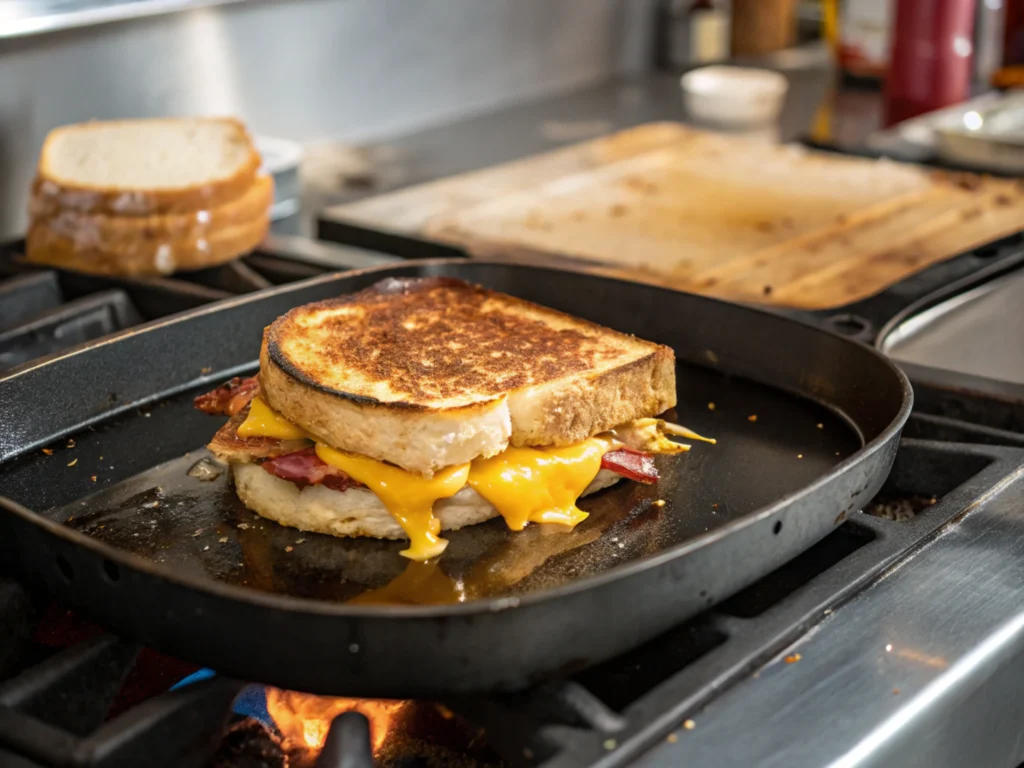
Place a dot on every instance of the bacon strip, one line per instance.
(230, 398)
(632, 464)
(292, 460)
(226, 445)
(306, 468)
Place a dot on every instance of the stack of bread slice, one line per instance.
(147, 197)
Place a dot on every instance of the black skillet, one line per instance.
(132, 531)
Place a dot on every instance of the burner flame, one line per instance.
(304, 719)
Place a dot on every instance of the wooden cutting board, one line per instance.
(704, 212)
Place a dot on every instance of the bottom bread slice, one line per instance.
(150, 256)
(357, 511)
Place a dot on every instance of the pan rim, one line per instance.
(310, 606)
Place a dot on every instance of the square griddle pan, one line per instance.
(125, 518)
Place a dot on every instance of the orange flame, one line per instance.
(304, 719)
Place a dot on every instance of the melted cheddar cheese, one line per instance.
(525, 485)
(539, 485)
(408, 497)
(263, 421)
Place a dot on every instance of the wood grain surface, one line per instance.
(719, 215)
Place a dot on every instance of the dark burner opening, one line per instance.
(623, 680)
(782, 582)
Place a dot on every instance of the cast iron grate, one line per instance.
(43, 311)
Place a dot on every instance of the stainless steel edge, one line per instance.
(922, 669)
(976, 332)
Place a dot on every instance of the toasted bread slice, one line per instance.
(144, 257)
(433, 372)
(145, 167)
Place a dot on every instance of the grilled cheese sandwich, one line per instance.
(502, 408)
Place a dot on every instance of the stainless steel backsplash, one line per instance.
(306, 69)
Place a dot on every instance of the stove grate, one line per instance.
(55, 713)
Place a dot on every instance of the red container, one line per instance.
(932, 57)
(1013, 33)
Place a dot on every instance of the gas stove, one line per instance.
(884, 644)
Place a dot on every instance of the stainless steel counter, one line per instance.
(980, 332)
(921, 669)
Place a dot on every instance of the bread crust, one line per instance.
(63, 194)
(418, 440)
(44, 246)
(568, 412)
(433, 372)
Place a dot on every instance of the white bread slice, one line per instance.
(113, 233)
(357, 511)
(145, 167)
(145, 257)
(433, 372)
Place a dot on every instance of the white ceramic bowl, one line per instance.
(734, 96)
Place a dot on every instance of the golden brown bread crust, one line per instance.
(417, 439)
(49, 192)
(437, 343)
(566, 415)
(144, 257)
(429, 373)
